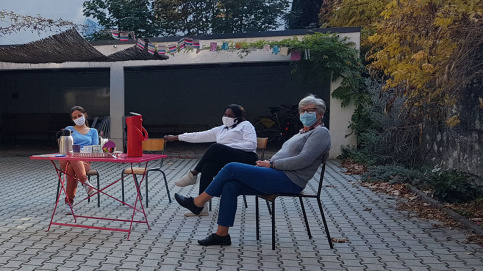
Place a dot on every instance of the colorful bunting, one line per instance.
(124, 36)
(115, 34)
(275, 49)
(295, 55)
(224, 46)
(151, 48)
(189, 43)
(284, 51)
(181, 44)
(238, 45)
(140, 44)
(172, 48)
(196, 44)
(266, 47)
(161, 49)
(213, 46)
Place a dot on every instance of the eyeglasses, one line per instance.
(310, 110)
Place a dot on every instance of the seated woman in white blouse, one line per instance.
(236, 141)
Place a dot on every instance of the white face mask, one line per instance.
(80, 121)
(227, 121)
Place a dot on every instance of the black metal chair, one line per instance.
(152, 145)
(272, 197)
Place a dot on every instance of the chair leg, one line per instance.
(273, 224)
(305, 217)
(257, 218)
(98, 193)
(166, 184)
(268, 206)
(89, 198)
(325, 223)
(122, 185)
(245, 200)
(58, 188)
(210, 205)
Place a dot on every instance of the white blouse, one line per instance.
(242, 137)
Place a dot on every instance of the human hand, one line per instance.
(170, 137)
(264, 163)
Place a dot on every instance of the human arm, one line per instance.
(302, 150)
(170, 137)
(94, 136)
(200, 137)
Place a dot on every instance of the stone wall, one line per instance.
(459, 148)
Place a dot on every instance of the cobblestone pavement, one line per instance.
(380, 237)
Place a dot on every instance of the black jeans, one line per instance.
(216, 157)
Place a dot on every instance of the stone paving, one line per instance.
(380, 237)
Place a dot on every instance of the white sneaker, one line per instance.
(204, 212)
(188, 179)
(90, 189)
(68, 211)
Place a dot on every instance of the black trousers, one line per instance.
(216, 157)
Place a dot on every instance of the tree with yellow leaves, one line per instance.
(430, 51)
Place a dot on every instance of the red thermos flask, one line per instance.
(136, 134)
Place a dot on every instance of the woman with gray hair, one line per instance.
(288, 171)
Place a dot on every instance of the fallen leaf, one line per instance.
(340, 240)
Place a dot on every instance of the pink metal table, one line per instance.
(121, 159)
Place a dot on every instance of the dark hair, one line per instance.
(82, 110)
(239, 113)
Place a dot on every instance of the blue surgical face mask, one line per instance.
(308, 118)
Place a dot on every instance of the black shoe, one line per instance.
(188, 203)
(214, 239)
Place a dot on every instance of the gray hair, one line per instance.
(312, 99)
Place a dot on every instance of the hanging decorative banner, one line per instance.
(189, 43)
(151, 48)
(161, 49)
(224, 46)
(238, 45)
(307, 53)
(295, 55)
(140, 44)
(284, 51)
(275, 49)
(181, 44)
(196, 44)
(172, 48)
(115, 34)
(266, 47)
(124, 36)
(213, 46)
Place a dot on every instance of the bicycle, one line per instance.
(276, 127)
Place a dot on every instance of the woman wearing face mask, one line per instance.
(288, 171)
(236, 141)
(76, 171)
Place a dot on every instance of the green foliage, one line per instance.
(197, 17)
(304, 14)
(126, 15)
(456, 187)
(396, 174)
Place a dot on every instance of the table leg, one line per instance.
(138, 198)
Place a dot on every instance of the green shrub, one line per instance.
(456, 187)
(396, 174)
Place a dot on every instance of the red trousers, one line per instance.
(76, 171)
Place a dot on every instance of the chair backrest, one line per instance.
(262, 145)
(322, 172)
(154, 145)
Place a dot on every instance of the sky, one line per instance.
(70, 10)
